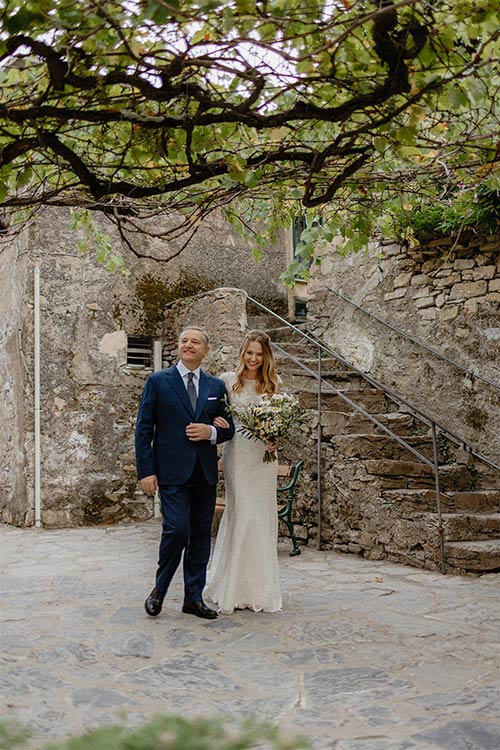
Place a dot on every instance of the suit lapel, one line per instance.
(179, 387)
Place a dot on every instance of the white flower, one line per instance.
(270, 418)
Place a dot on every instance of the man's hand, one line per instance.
(198, 431)
(149, 484)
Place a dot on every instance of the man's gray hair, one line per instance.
(195, 328)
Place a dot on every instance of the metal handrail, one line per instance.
(470, 373)
(376, 384)
(353, 404)
(395, 397)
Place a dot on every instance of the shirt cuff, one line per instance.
(213, 438)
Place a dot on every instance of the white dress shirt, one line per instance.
(183, 372)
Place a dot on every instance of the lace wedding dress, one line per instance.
(243, 573)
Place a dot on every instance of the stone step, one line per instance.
(461, 527)
(474, 556)
(299, 348)
(415, 501)
(285, 333)
(342, 422)
(367, 447)
(263, 321)
(370, 399)
(299, 380)
(414, 475)
(330, 368)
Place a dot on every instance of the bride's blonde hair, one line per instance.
(267, 377)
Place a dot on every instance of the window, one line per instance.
(300, 309)
(140, 351)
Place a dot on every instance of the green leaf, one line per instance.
(380, 144)
(493, 180)
(24, 20)
(24, 177)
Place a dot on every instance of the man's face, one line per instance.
(192, 348)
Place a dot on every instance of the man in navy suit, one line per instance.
(176, 453)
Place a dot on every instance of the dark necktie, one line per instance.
(192, 391)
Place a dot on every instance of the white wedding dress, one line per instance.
(243, 573)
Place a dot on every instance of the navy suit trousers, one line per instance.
(187, 521)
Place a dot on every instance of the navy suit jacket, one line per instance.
(161, 445)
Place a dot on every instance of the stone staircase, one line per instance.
(379, 500)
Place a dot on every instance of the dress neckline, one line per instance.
(246, 381)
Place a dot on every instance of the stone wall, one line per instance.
(215, 257)
(445, 295)
(90, 394)
(16, 379)
(221, 313)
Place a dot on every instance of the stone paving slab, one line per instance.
(364, 656)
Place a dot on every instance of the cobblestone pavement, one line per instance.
(365, 655)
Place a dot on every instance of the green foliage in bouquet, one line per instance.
(269, 419)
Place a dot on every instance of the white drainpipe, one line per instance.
(157, 365)
(36, 385)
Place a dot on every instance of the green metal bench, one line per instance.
(285, 504)
(285, 508)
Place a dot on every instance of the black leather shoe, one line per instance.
(200, 610)
(154, 602)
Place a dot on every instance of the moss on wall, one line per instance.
(152, 296)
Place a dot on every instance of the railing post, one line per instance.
(318, 452)
(438, 498)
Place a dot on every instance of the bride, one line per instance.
(243, 573)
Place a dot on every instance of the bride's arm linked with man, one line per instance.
(184, 414)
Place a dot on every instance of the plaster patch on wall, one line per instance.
(59, 404)
(79, 443)
(493, 334)
(242, 321)
(112, 343)
(357, 349)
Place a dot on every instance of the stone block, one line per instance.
(483, 259)
(440, 300)
(448, 280)
(424, 302)
(494, 285)
(468, 289)
(448, 313)
(471, 306)
(392, 249)
(424, 291)
(428, 313)
(421, 279)
(441, 242)
(354, 549)
(397, 294)
(462, 264)
(429, 265)
(485, 272)
(491, 297)
(402, 280)
(491, 245)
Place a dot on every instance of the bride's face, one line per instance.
(253, 357)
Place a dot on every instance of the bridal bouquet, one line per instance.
(270, 418)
